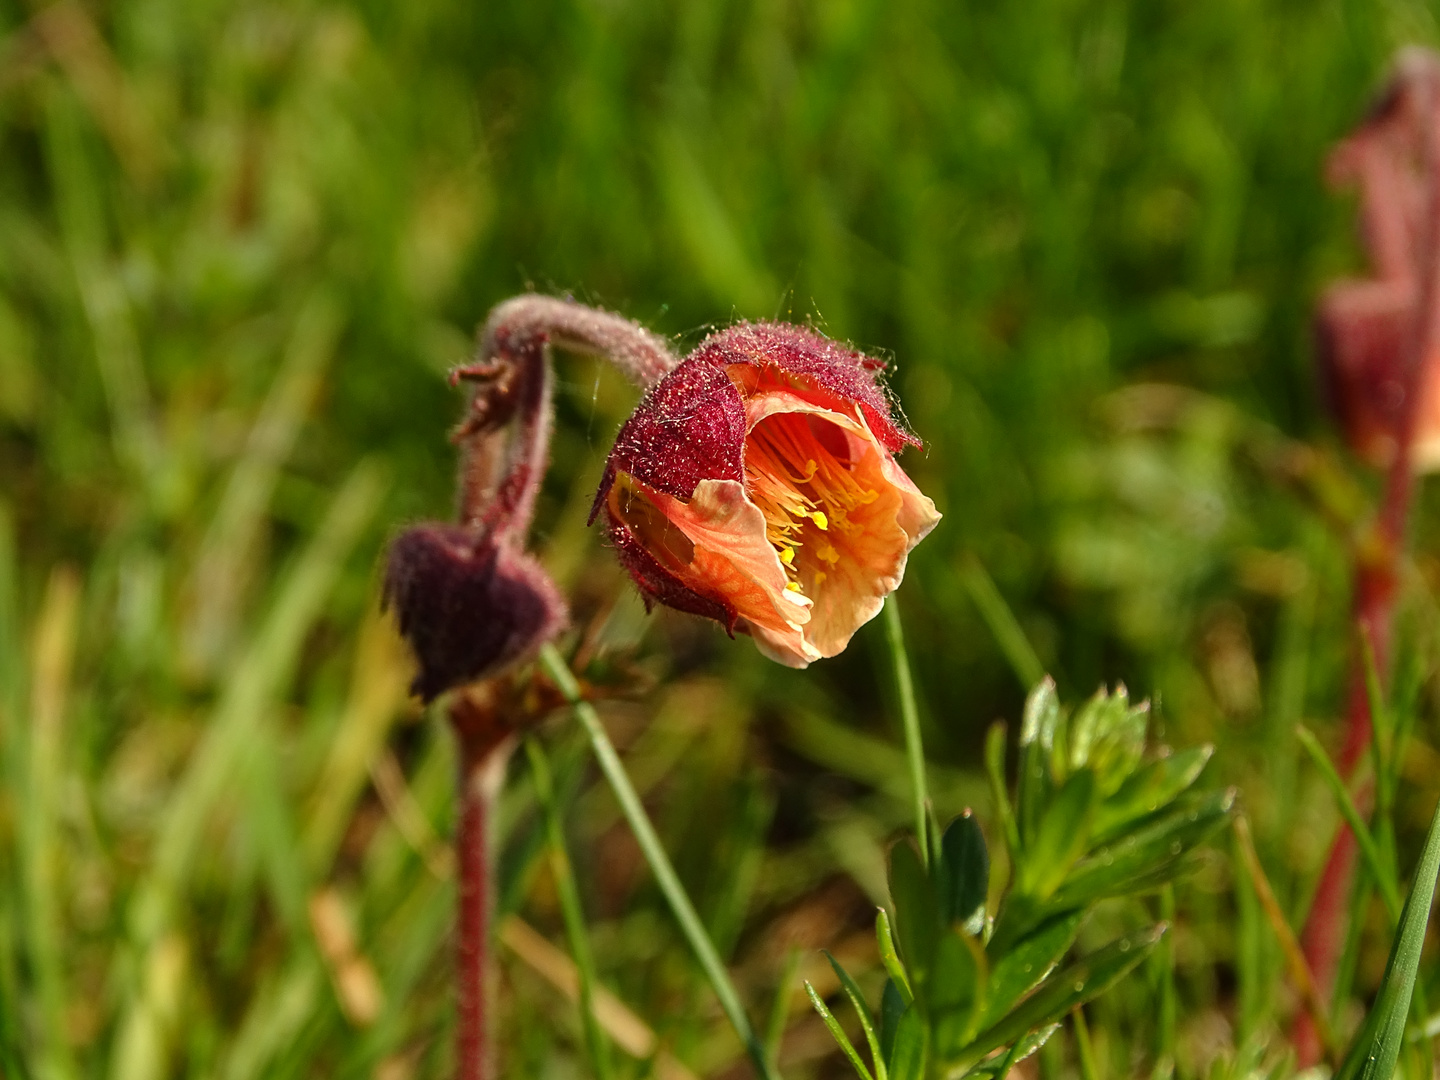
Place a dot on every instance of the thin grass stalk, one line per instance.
(660, 865)
(910, 718)
(780, 1008)
(1165, 963)
(1350, 813)
(1084, 1050)
(1001, 620)
(1300, 976)
(596, 1045)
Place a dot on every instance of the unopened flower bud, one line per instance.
(468, 605)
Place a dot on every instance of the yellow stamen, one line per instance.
(799, 484)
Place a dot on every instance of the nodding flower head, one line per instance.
(756, 484)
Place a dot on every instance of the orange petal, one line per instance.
(849, 591)
(715, 544)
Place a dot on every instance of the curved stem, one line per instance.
(500, 472)
(641, 355)
(665, 876)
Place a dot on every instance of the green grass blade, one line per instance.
(262, 672)
(780, 1009)
(1163, 962)
(1084, 1050)
(1002, 622)
(1384, 876)
(659, 862)
(867, 1022)
(995, 771)
(838, 1032)
(1377, 1048)
(237, 526)
(910, 717)
(890, 956)
(42, 832)
(596, 1045)
(238, 725)
(1380, 719)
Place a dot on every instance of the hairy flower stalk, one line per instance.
(1379, 344)
(473, 603)
(757, 485)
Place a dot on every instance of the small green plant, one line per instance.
(969, 993)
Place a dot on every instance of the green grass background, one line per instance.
(240, 244)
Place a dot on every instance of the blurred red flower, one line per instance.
(1370, 331)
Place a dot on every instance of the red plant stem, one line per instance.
(482, 771)
(505, 440)
(1377, 573)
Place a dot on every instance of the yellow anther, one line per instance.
(793, 586)
(820, 520)
(787, 555)
(827, 553)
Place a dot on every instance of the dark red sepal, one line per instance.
(658, 585)
(689, 427)
(848, 375)
(468, 604)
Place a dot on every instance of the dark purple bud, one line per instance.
(469, 605)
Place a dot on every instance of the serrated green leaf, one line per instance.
(1377, 1048)
(838, 1033)
(1119, 866)
(907, 1053)
(962, 874)
(954, 992)
(890, 958)
(1381, 871)
(1027, 962)
(1061, 837)
(1148, 791)
(867, 1023)
(1075, 985)
(917, 911)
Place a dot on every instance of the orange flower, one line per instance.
(756, 484)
